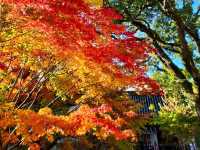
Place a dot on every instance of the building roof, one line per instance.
(149, 103)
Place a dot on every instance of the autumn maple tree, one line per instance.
(64, 66)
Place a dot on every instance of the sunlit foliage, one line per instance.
(58, 54)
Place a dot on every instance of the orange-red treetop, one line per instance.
(75, 54)
(73, 26)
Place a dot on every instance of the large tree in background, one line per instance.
(173, 28)
(56, 54)
(178, 117)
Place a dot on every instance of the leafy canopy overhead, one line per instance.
(61, 53)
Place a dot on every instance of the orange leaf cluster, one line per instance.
(29, 127)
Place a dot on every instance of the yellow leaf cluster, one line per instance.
(95, 3)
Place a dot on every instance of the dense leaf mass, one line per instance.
(75, 27)
(61, 53)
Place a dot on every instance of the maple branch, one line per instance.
(73, 108)
(37, 94)
(36, 85)
(22, 89)
(52, 101)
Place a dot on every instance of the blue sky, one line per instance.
(196, 4)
